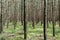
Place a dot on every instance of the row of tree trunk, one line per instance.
(23, 17)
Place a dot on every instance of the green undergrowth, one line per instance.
(32, 34)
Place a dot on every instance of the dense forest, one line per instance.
(25, 16)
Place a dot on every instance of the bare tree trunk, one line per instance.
(33, 14)
(1, 28)
(25, 23)
(53, 20)
(45, 20)
(36, 13)
(15, 13)
(22, 11)
(59, 12)
(42, 11)
(8, 14)
(4, 12)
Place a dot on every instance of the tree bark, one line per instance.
(15, 13)
(45, 20)
(59, 12)
(53, 17)
(1, 28)
(25, 23)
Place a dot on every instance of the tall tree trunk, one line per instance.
(45, 20)
(25, 23)
(15, 13)
(1, 28)
(8, 14)
(59, 12)
(53, 20)
(42, 11)
(33, 13)
(22, 11)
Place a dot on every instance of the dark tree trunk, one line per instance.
(53, 18)
(1, 28)
(45, 20)
(25, 23)
(59, 12)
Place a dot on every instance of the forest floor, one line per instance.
(32, 34)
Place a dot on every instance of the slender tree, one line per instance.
(4, 12)
(33, 14)
(15, 13)
(29, 14)
(25, 23)
(19, 10)
(22, 11)
(59, 12)
(53, 20)
(37, 16)
(1, 28)
(45, 20)
(42, 9)
(8, 15)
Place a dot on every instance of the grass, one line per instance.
(32, 34)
